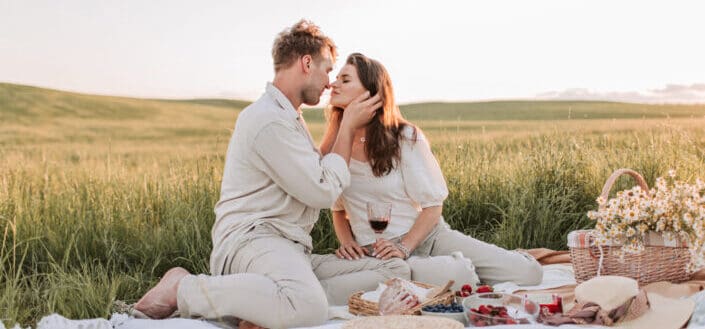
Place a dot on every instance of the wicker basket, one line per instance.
(655, 263)
(359, 306)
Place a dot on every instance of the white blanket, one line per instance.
(554, 276)
(122, 321)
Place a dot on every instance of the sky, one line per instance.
(639, 51)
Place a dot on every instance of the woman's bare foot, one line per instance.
(160, 301)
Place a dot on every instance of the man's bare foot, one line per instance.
(244, 324)
(160, 301)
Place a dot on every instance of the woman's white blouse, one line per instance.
(416, 183)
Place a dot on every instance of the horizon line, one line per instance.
(536, 98)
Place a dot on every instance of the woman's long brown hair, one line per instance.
(384, 132)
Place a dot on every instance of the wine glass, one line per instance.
(378, 215)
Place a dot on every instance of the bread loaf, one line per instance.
(400, 296)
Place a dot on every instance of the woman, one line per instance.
(392, 162)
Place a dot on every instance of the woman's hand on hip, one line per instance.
(385, 249)
(350, 250)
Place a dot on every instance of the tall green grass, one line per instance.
(93, 210)
(77, 236)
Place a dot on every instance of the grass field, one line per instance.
(100, 195)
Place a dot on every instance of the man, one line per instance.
(274, 183)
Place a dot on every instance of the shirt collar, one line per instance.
(284, 102)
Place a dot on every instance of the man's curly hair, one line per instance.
(304, 38)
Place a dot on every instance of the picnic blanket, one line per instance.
(558, 279)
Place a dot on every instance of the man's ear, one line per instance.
(306, 62)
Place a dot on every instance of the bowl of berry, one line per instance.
(453, 311)
(491, 309)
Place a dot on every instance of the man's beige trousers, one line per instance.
(274, 283)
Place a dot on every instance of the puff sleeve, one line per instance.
(423, 179)
(338, 205)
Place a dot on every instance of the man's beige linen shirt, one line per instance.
(273, 174)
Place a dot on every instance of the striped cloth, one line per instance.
(585, 238)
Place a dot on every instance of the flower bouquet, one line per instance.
(647, 234)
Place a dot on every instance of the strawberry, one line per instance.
(484, 309)
(462, 293)
(467, 287)
(483, 289)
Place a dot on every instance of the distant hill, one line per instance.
(39, 116)
(548, 110)
(24, 104)
(538, 110)
(19, 103)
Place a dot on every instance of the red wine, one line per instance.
(379, 224)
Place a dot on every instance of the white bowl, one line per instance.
(520, 310)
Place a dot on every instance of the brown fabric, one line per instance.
(639, 306)
(547, 256)
(699, 275)
(588, 313)
(591, 313)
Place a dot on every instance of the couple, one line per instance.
(275, 181)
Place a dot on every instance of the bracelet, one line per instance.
(403, 249)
